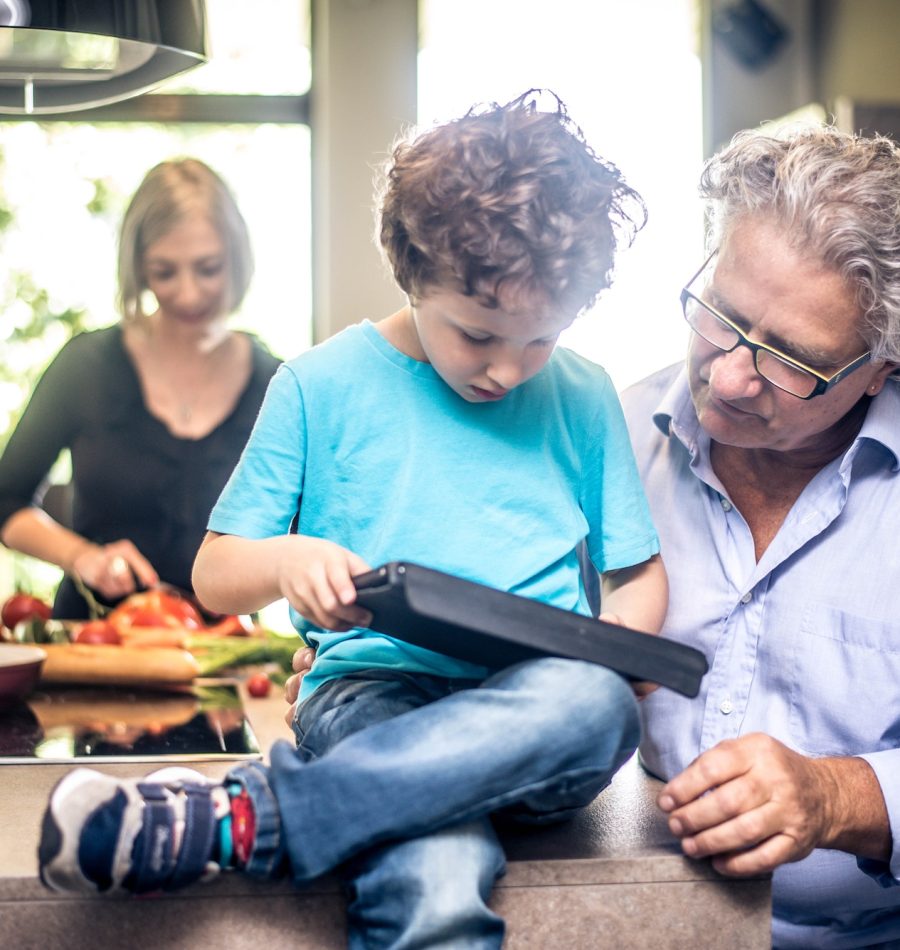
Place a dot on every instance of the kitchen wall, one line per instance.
(840, 56)
(364, 62)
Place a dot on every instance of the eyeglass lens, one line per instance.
(706, 324)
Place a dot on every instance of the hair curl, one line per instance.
(172, 192)
(837, 196)
(507, 199)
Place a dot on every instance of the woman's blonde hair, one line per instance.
(170, 193)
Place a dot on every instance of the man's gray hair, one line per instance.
(836, 195)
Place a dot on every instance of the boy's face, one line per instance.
(482, 354)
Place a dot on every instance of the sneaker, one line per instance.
(101, 834)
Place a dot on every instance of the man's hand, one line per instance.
(301, 663)
(753, 804)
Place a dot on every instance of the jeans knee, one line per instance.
(428, 892)
(588, 705)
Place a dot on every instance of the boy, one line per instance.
(452, 434)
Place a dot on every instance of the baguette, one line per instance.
(122, 665)
(163, 711)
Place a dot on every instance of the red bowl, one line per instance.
(20, 669)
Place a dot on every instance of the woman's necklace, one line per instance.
(193, 395)
(186, 387)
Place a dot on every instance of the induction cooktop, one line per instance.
(117, 724)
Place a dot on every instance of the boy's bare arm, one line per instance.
(638, 596)
(241, 575)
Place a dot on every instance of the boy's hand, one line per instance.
(643, 688)
(316, 580)
(301, 662)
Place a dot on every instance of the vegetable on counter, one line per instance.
(133, 643)
(155, 608)
(258, 685)
(219, 654)
(21, 606)
(162, 618)
(97, 631)
(213, 654)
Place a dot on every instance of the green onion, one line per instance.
(215, 654)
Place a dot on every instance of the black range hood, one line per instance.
(66, 55)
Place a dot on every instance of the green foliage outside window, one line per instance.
(32, 325)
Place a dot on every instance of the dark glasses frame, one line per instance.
(822, 383)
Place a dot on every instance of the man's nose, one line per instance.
(733, 375)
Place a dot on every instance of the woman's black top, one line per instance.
(131, 477)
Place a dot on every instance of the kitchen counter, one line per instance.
(614, 870)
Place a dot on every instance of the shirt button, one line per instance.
(726, 505)
(726, 707)
(747, 598)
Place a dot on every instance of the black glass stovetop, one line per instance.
(118, 724)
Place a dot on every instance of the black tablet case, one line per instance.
(492, 628)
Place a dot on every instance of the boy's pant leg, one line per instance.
(427, 892)
(549, 732)
(430, 891)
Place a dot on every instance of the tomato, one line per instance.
(98, 631)
(258, 685)
(21, 607)
(156, 608)
(146, 617)
(231, 625)
(181, 609)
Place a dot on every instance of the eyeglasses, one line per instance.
(781, 370)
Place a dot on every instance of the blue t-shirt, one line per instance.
(371, 449)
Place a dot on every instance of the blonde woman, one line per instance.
(155, 409)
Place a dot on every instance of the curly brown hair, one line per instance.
(507, 198)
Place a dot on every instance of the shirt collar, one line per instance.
(675, 416)
(882, 422)
(675, 413)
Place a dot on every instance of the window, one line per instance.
(65, 183)
(629, 74)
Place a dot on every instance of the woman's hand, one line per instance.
(301, 663)
(114, 570)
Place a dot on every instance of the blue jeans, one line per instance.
(395, 774)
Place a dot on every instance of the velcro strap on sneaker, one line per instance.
(199, 836)
(151, 860)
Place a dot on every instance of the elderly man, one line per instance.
(771, 463)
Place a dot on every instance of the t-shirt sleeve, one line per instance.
(621, 532)
(262, 496)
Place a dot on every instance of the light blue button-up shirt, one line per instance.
(804, 645)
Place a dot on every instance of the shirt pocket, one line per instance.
(845, 684)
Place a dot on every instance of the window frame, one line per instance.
(188, 107)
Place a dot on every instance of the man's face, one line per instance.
(481, 353)
(778, 297)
